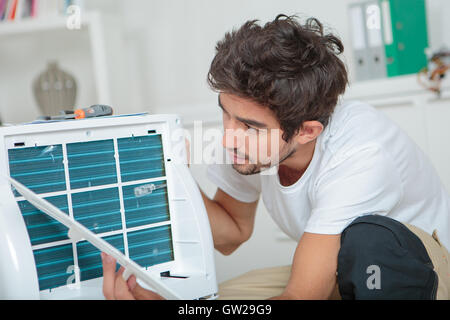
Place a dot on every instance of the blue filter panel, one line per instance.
(151, 246)
(91, 163)
(141, 157)
(55, 265)
(98, 210)
(89, 259)
(41, 169)
(41, 227)
(145, 203)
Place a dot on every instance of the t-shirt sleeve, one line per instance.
(365, 182)
(245, 188)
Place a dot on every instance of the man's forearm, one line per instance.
(225, 231)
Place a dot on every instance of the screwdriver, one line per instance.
(97, 110)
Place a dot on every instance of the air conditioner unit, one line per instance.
(125, 179)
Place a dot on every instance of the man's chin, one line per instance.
(246, 169)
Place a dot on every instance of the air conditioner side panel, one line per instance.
(18, 277)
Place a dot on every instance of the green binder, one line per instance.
(405, 35)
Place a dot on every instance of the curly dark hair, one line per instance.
(291, 68)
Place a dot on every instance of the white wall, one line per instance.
(176, 40)
(180, 37)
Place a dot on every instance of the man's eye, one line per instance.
(251, 129)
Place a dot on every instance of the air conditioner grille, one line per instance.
(98, 195)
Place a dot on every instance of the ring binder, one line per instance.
(389, 37)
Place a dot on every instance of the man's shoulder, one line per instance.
(354, 124)
(357, 132)
(347, 110)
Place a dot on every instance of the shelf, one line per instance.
(28, 44)
(390, 87)
(39, 24)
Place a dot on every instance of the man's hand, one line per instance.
(116, 288)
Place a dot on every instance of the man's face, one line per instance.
(252, 135)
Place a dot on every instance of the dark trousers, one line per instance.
(380, 258)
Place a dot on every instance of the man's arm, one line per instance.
(231, 220)
(313, 274)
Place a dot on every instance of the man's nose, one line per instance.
(233, 138)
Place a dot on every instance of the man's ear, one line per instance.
(309, 131)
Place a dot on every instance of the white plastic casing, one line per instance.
(191, 233)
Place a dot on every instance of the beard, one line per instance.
(247, 169)
(254, 168)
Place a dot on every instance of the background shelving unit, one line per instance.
(26, 46)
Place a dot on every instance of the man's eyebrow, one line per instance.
(246, 121)
(252, 122)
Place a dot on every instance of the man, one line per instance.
(356, 193)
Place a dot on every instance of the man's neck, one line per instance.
(292, 169)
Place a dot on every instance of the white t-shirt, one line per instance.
(362, 164)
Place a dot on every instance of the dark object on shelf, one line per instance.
(431, 77)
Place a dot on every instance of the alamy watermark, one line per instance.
(74, 273)
(73, 20)
(374, 280)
